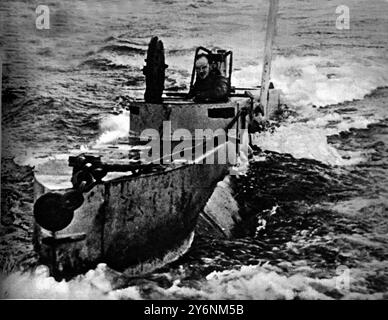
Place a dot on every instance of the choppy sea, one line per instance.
(314, 200)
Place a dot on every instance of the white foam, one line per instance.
(267, 282)
(343, 123)
(114, 127)
(35, 158)
(321, 81)
(252, 282)
(302, 141)
(39, 285)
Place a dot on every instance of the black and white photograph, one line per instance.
(210, 151)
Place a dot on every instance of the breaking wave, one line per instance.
(124, 49)
(303, 142)
(320, 81)
(252, 282)
(114, 127)
(37, 284)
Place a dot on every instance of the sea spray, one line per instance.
(114, 127)
(303, 142)
(38, 284)
(317, 80)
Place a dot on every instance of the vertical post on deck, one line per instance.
(269, 36)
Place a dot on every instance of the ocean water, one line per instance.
(314, 200)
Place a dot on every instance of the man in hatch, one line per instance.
(210, 85)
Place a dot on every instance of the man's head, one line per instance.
(202, 67)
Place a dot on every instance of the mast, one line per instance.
(269, 36)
